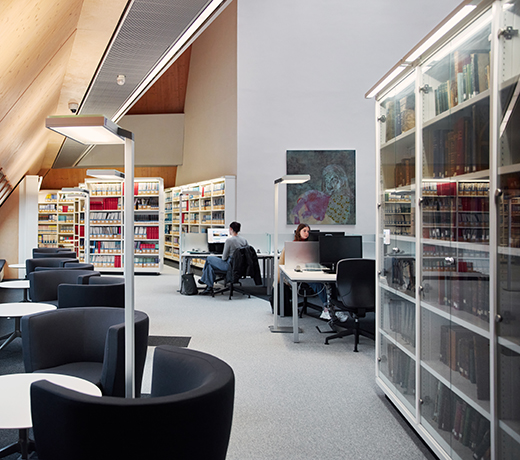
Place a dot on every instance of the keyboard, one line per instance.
(313, 267)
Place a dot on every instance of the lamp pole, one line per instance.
(287, 179)
(97, 129)
(129, 269)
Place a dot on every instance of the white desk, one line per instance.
(15, 401)
(293, 278)
(17, 284)
(16, 310)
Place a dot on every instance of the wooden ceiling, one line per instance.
(50, 51)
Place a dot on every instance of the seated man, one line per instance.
(216, 264)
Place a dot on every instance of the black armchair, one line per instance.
(49, 250)
(91, 295)
(61, 254)
(85, 342)
(47, 262)
(189, 414)
(356, 295)
(43, 285)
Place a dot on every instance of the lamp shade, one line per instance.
(293, 179)
(110, 174)
(88, 129)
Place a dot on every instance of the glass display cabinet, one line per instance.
(448, 248)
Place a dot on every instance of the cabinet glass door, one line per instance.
(454, 218)
(508, 253)
(397, 241)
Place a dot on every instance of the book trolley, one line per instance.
(448, 246)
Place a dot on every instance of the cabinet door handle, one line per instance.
(498, 319)
(498, 193)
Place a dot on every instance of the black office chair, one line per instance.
(188, 416)
(356, 295)
(244, 263)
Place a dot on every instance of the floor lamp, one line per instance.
(182, 193)
(77, 192)
(94, 130)
(288, 179)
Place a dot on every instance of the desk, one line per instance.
(293, 278)
(16, 310)
(17, 284)
(15, 401)
(267, 265)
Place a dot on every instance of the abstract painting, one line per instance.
(330, 195)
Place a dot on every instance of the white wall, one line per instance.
(159, 141)
(303, 70)
(210, 136)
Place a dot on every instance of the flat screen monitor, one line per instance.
(332, 250)
(314, 235)
(218, 235)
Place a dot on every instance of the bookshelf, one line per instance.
(48, 219)
(448, 250)
(212, 205)
(59, 221)
(106, 224)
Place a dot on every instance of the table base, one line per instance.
(24, 446)
(10, 337)
(284, 329)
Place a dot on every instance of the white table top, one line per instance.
(15, 284)
(305, 276)
(20, 266)
(19, 309)
(15, 395)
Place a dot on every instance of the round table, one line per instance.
(15, 401)
(17, 284)
(16, 310)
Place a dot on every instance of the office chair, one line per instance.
(244, 263)
(356, 295)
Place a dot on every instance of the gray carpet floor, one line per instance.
(293, 401)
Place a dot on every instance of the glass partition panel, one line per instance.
(508, 233)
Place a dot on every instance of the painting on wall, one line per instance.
(330, 196)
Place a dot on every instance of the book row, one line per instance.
(150, 233)
(146, 217)
(105, 217)
(400, 116)
(468, 354)
(465, 424)
(401, 318)
(105, 232)
(464, 149)
(466, 293)
(470, 77)
(401, 369)
(105, 246)
(105, 204)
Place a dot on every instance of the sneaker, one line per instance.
(325, 314)
(207, 291)
(200, 281)
(342, 316)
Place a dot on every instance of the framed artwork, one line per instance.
(330, 196)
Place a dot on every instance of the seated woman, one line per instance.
(215, 264)
(302, 234)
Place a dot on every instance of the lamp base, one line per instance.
(284, 329)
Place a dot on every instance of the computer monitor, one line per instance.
(218, 235)
(334, 249)
(314, 235)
